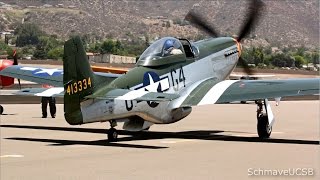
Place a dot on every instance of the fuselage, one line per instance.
(215, 60)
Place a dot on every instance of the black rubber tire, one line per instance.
(112, 135)
(263, 127)
(1, 109)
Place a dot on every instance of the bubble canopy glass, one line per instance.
(158, 52)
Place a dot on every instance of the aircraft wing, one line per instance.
(138, 95)
(118, 94)
(53, 77)
(42, 92)
(253, 76)
(209, 92)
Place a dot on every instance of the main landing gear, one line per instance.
(112, 132)
(264, 120)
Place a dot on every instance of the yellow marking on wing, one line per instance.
(109, 70)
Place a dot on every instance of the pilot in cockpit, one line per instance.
(170, 48)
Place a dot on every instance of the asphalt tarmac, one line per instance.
(214, 142)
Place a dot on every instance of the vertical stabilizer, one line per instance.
(78, 79)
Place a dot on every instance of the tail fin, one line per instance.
(78, 79)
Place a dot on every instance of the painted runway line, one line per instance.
(12, 156)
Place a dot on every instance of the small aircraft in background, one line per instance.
(171, 76)
(6, 81)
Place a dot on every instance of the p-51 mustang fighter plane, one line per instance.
(171, 76)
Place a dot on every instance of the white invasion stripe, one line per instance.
(50, 92)
(132, 95)
(28, 68)
(184, 95)
(216, 91)
(11, 156)
(271, 118)
(165, 84)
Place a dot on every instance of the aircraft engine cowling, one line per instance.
(4, 80)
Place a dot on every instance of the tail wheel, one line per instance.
(112, 135)
(1, 109)
(263, 127)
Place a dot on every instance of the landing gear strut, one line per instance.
(112, 132)
(263, 127)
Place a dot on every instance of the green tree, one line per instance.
(95, 48)
(300, 51)
(268, 59)
(134, 48)
(28, 50)
(56, 53)
(282, 60)
(258, 56)
(299, 61)
(40, 53)
(254, 55)
(107, 46)
(46, 43)
(315, 57)
(4, 48)
(27, 34)
(267, 50)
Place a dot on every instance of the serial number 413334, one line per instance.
(79, 86)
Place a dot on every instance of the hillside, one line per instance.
(285, 22)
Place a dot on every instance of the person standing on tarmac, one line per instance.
(52, 105)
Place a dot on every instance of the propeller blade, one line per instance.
(252, 17)
(199, 22)
(245, 66)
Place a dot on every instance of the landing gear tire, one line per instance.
(263, 127)
(1, 109)
(112, 135)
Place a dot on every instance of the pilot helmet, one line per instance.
(168, 44)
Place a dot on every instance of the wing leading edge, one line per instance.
(209, 92)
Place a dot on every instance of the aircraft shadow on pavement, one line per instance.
(60, 142)
(7, 114)
(148, 135)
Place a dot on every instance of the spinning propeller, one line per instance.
(251, 19)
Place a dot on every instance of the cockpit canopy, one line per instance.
(163, 51)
